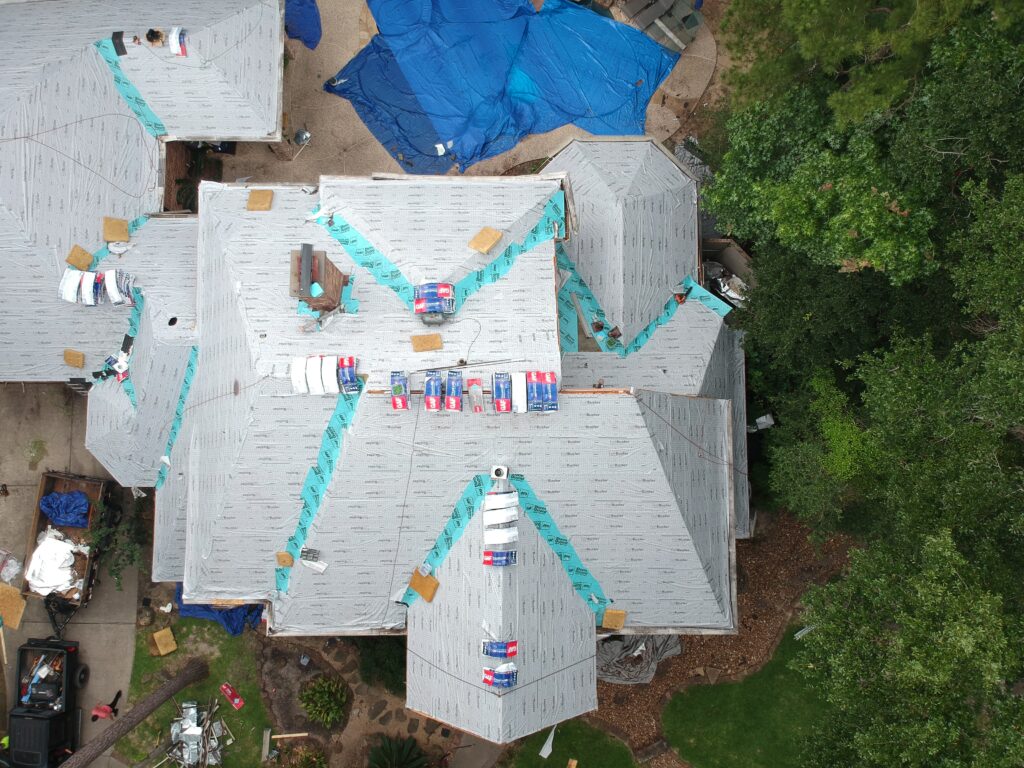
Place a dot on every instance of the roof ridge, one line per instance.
(212, 61)
(651, 417)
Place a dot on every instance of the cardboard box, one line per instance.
(485, 239)
(74, 358)
(260, 200)
(12, 605)
(162, 642)
(427, 342)
(115, 230)
(424, 586)
(79, 258)
(613, 619)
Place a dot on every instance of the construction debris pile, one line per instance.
(196, 738)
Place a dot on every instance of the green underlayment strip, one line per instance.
(153, 125)
(179, 413)
(133, 226)
(577, 286)
(583, 581)
(384, 271)
(317, 480)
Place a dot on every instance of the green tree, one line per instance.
(963, 122)
(874, 52)
(915, 657)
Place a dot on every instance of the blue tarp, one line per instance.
(71, 509)
(232, 619)
(473, 77)
(302, 21)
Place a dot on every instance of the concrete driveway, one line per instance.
(42, 426)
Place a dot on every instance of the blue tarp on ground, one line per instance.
(71, 509)
(476, 76)
(232, 619)
(302, 21)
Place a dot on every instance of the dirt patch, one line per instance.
(370, 710)
(697, 113)
(774, 570)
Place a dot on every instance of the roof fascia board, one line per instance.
(731, 530)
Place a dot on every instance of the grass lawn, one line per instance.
(231, 659)
(757, 723)
(593, 748)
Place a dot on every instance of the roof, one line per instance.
(636, 483)
(81, 134)
(398, 479)
(240, 512)
(129, 437)
(636, 235)
(695, 353)
(38, 325)
(514, 318)
(532, 604)
(219, 91)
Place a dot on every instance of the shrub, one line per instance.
(382, 662)
(324, 700)
(397, 753)
(119, 537)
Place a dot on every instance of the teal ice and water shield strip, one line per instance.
(179, 413)
(705, 297)
(363, 253)
(153, 125)
(551, 222)
(134, 321)
(577, 286)
(384, 271)
(467, 505)
(317, 480)
(133, 226)
(583, 581)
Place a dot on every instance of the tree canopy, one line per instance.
(874, 171)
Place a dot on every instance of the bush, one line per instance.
(397, 753)
(117, 538)
(382, 662)
(307, 757)
(324, 700)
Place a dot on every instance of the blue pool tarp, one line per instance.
(457, 81)
(302, 21)
(232, 619)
